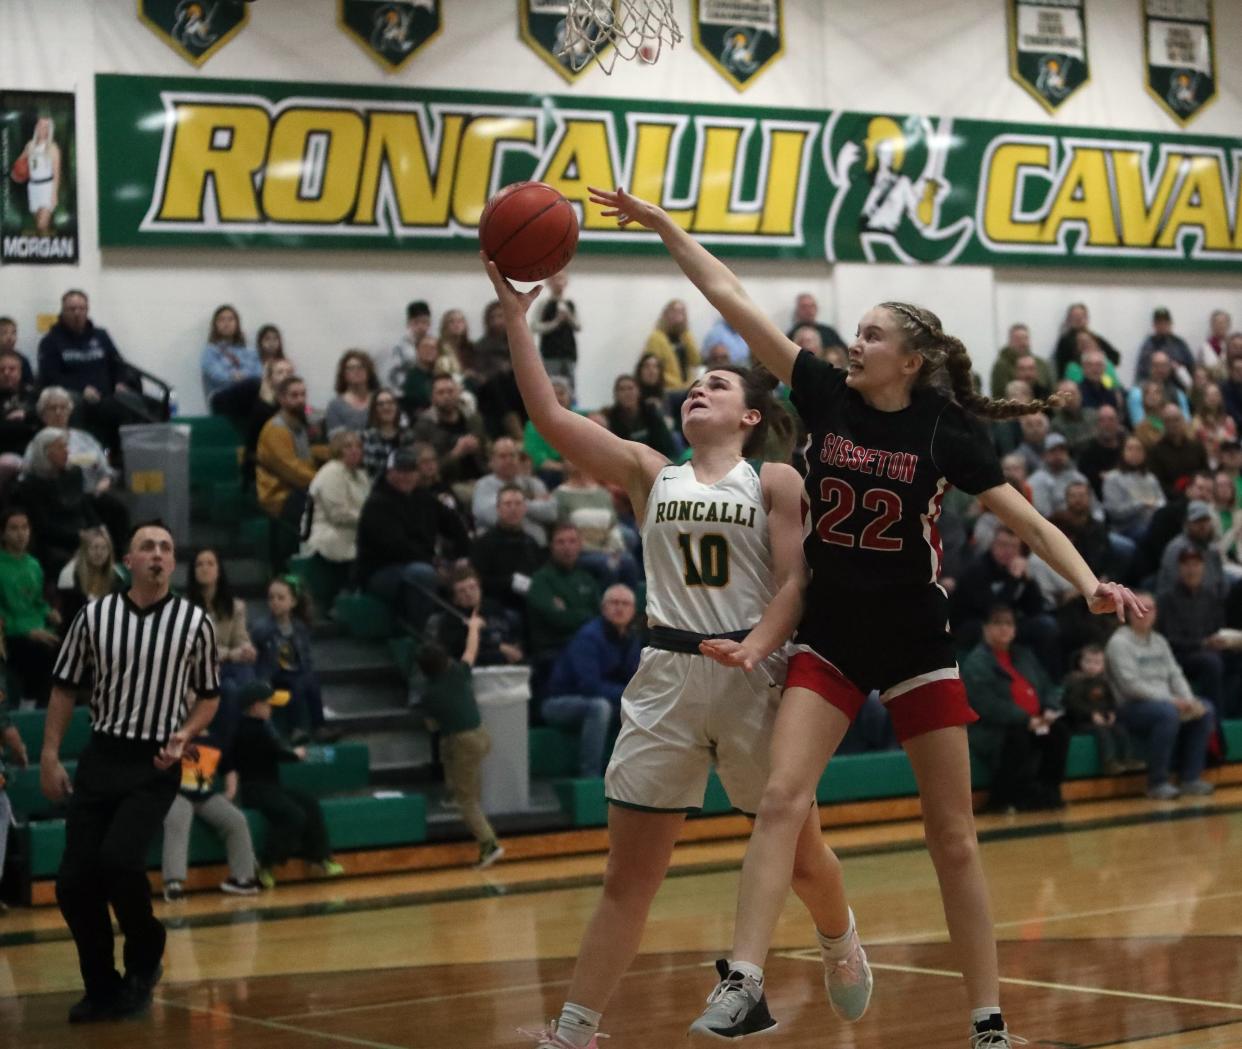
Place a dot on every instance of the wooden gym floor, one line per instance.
(1120, 925)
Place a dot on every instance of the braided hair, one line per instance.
(944, 356)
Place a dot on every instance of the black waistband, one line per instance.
(669, 639)
(41, 181)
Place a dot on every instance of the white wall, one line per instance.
(900, 55)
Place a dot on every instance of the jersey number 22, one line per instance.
(839, 499)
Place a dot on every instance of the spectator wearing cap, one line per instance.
(1160, 373)
(1191, 620)
(1198, 533)
(1177, 454)
(398, 532)
(1162, 340)
(1057, 473)
(1155, 703)
(398, 360)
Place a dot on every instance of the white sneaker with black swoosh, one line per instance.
(735, 1009)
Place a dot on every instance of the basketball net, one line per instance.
(636, 29)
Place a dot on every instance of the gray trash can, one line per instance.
(157, 475)
(503, 695)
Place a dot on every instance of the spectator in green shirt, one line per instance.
(449, 703)
(563, 595)
(29, 622)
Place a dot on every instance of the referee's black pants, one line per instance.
(117, 807)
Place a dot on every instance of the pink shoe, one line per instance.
(547, 1038)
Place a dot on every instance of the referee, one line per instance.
(145, 650)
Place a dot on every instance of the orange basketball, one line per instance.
(529, 230)
(21, 169)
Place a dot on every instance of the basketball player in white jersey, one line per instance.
(722, 539)
(43, 187)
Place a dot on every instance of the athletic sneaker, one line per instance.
(1001, 1039)
(236, 887)
(735, 1009)
(547, 1038)
(174, 890)
(1163, 792)
(848, 979)
(1198, 787)
(993, 1034)
(489, 854)
(328, 869)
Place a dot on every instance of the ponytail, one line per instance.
(946, 360)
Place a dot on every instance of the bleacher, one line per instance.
(376, 786)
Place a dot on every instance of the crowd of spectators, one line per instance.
(423, 483)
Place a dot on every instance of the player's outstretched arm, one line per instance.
(1049, 542)
(783, 487)
(601, 453)
(712, 277)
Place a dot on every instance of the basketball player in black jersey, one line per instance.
(887, 438)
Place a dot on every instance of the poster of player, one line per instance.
(38, 178)
(1181, 56)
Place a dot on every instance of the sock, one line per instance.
(987, 1018)
(755, 972)
(837, 947)
(577, 1024)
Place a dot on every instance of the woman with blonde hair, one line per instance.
(456, 349)
(93, 573)
(673, 343)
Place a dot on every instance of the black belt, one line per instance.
(41, 181)
(669, 639)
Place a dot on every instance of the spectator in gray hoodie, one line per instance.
(1131, 491)
(1156, 704)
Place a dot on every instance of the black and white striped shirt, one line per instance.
(144, 661)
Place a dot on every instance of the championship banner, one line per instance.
(1048, 48)
(38, 183)
(390, 32)
(195, 29)
(190, 162)
(541, 23)
(1181, 55)
(740, 38)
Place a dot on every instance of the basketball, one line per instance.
(529, 230)
(21, 170)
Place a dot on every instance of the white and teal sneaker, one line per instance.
(848, 979)
(735, 1009)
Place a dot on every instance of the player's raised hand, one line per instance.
(508, 295)
(728, 653)
(1113, 597)
(625, 209)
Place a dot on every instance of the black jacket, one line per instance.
(395, 529)
(499, 553)
(78, 360)
(986, 583)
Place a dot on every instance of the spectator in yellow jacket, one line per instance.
(674, 345)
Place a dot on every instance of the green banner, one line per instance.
(390, 31)
(201, 162)
(1180, 60)
(1048, 48)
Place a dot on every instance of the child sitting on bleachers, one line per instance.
(283, 641)
(295, 824)
(1092, 707)
(449, 703)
